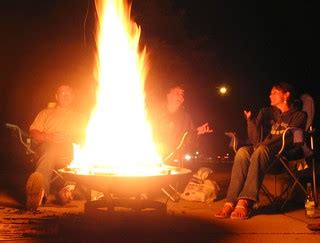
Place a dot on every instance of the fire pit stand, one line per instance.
(129, 189)
(108, 204)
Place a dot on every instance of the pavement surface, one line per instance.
(184, 221)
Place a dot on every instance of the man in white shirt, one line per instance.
(54, 130)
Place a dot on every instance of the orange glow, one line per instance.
(119, 136)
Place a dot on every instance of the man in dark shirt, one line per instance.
(250, 162)
(175, 122)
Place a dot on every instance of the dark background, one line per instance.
(246, 45)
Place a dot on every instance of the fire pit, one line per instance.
(127, 188)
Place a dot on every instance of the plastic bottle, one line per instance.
(309, 203)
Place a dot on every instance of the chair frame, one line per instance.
(294, 176)
(27, 143)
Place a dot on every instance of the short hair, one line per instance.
(286, 87)
(63, 84)
(175, 85)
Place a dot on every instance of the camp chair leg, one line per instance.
(314, 177)
(56, 176)
(291, 190)
(294, 185)
(283, 192)
(171, 193)
(294, 177)
(268, 194)
(272, 198)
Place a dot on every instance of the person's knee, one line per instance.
(243, 152)
(48, 153)
(261, 149)
(46, 148)
(261, 156)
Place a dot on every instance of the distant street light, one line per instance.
(223, 90)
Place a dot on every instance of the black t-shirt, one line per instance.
(171, 129)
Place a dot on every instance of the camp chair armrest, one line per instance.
(27, 144)
(298, 137)
(182, 141)
(234, 141)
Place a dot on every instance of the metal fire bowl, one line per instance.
(127, 185)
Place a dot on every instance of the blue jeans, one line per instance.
(248, 171)
(52, 156)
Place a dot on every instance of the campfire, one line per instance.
(119, 147)
(119, 136)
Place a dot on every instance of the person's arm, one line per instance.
(193, 133)
(36, 130)
(254, 126)
(40, 137)
(299, 121)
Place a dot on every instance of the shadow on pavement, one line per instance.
(143, 228)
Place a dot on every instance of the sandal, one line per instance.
(225, 212)
(240, 212)
(64, 196)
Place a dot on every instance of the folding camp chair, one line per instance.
(169, 190)
(295, 168)
(27, 142)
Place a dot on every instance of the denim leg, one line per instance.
(239, 173)
(259, 161)
(51, 155)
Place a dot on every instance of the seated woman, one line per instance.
(251, 162)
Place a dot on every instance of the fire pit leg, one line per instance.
(95, 206)
(109, 202)
(138, 204)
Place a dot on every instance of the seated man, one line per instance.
(175, 121)
(250, 162)
(54, 130)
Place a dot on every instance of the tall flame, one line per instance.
(119, 136)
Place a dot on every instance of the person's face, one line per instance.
(64, 96)
(175, 98)
(278, 97)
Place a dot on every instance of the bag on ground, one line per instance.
(200, 188)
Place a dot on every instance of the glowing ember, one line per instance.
(119, 137)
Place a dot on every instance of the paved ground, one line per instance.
(184, 222)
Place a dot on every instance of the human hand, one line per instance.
(204, 129)
(247, 114)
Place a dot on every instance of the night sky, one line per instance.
(203, 44)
